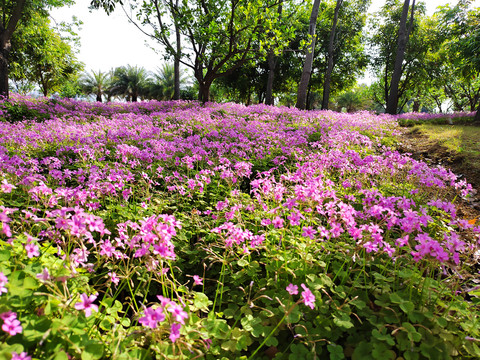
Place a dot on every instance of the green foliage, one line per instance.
(130, 82)
(41, 56)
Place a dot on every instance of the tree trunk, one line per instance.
(307, 66)
(272, 62)
(416, 106)
(4, 72)
(176, 65)
(331, 43)
(204, 91)
(476, 119)
(6, 32)
(99, 97)
(403, 34)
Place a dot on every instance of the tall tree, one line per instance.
(40, 55)
(331, 43)
(272, 60)
(11, 13)
(162, 84)
(384, 41)
(130, 81)
(307, 66)
(403, 35)
(462, 27)
(95, 83)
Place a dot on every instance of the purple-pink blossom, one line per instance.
(197, 280)
(308, 297)
(152, 316)
(278, 222)
(11, 325)
(22, 356)
(175, 332)
(86, 304)
(292, 289)
(32, 250)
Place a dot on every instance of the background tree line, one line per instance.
(308, 54)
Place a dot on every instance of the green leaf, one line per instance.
(343, 322)
(218, 328)
(92, 351)
(201, 302)
(242, 262)
(4, 255)
(363, 351)
(407, 307)
(61, 356)
(336, 352)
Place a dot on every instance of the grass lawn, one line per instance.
(460, 139)
(453, 146)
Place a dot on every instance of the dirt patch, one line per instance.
(422, 148)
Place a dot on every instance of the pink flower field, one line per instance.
(170, 230)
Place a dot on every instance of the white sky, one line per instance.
(111, 41)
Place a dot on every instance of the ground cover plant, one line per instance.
(167, 230)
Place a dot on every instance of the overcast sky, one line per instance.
(111, 41)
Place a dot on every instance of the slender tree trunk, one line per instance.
(4, 72)
(272, 62)
(476, 119)
(6, 31)
(416, 106)
(403, 34)
(176, 66)
(307, 66)
(331, 43)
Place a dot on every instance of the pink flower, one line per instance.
(113, 277)
(151, 317)
(266, 222)
(21, 356)
(175, 332)
(6, 187)
(32, 250)
(10, 323)
(308, 297)
(402, 241)
(3, 282)
(177, 312)
(278, 222)
(292, 289)
(86, 304)
(197, 280)
(163, 300)
(308, 231)
(44, 275)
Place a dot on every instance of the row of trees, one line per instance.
(295, 52)
(130, 83)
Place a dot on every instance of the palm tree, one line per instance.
(130, 81)
(162, 86)
(95, 83)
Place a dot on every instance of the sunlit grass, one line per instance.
(457, 138)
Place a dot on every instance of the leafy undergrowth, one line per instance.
(173, 231)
